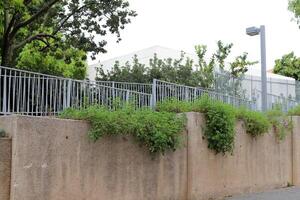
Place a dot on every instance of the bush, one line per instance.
(220, 121)
(256, 123)
(173, 105)
(280, 121)
(295, 111)
(158, 131)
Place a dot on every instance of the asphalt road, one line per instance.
(291, 193)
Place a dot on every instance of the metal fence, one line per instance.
(29, 93)
(280, 91)
(138, 87)
(164, 90)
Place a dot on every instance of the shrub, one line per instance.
(295, 111)
(256, 123)
(158, 131)
(173, 105)
(220, 121)
(280, 121)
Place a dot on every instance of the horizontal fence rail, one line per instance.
(138, 87)
(29, 93)
(163, 90)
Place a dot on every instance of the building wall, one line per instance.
(53, 159)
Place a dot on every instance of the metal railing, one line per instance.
(138, 87)
(30, 93)
(162, 90)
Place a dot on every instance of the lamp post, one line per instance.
(252, 31)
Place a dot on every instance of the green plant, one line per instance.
(295, 111)
(281, 122)
(173, 105)
(158, 131)
(256, 123)
(220, 121)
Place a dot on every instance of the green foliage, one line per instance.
(183, 70)
(220, 122)
(281, 122)
(59, 61)
(78, 21)
(295, 111)
(158, 131)
(294, 6)
(205, 70)
(256, 123)
(173, 105)
(219, 117)
(288, 65)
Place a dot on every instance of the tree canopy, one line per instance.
(294, 6)
(288, 65)
(58, 25)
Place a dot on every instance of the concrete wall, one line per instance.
(54, 160)
(5, 168)
(255, 165)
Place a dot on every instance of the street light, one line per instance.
(252, 31)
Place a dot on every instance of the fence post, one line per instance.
(186, 93)
(4, 93)
(113, 90)
(127, 95)
(153, 101)
(67, 98)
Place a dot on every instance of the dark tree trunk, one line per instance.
(6, 54)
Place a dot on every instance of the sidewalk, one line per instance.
(291, 193)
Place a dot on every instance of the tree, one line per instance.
(288, 65)
(72, 22)
(294, 6)
(55, 60)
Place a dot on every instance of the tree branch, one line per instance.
(33, 37)
(41, 12)
(63, 21)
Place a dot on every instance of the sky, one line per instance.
(182, 24)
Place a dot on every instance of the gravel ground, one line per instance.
(291, 193)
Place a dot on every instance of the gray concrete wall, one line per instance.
(296, 151)
(255, 165)
(5, 168)
(54, 160)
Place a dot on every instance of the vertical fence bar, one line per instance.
(153, 94)
(4, 92)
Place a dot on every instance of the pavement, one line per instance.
(290, 193)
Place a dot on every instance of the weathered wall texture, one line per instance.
(54, 160)
(296, 151)
(5, 168)
(256, 164)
